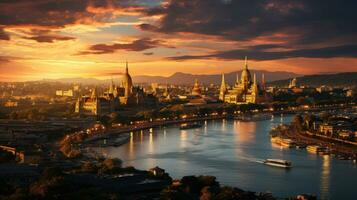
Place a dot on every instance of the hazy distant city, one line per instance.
(151, 100)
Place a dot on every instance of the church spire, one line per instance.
(126, 67)
(223, 89)
(263, 81)
(246, 62)
(237, 78)
(223, 83)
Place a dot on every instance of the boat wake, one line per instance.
(256, 160)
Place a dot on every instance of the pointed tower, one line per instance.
(254, 90)
(263, 81)
(246, 62)
(237, 79)
(223, 89)
(126, 67)
(245, 78)
(127, 82)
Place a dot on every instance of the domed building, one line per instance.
(125, 94)
(196, 90)
(244, 90)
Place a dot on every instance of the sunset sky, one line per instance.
(93, 38)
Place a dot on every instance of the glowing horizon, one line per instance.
(94, 38)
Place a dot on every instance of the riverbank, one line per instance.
(108, 136)
(339, 149)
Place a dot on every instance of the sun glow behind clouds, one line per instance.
(41, 40)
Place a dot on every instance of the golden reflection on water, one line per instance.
(141, 136)
(131, 152)
(325, 177)
(244, 131)
(183, 138)
(224, 125)
(151, 143)
(205, 128)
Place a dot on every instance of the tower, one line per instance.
(245, 77)
(127, 82)
(237, 79)
(254, 89)
(263, 82)
(223, 89)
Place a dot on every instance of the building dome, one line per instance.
(246, 78)
(127, 82)
(196, 90)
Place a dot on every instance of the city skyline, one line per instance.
(93, 39)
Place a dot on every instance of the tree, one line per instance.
(298, 122)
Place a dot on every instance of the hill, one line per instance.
(180, 78)
(346, 79)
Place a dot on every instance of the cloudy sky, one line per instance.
(93, 38)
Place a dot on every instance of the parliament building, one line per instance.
(113, 97)
(245, 90)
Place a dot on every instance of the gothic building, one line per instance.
(245, 90)
(113, 97)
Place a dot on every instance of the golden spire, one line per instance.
(126, 67)
(246, 62)
(223, 89)
(223, 83)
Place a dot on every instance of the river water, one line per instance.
(232, 151)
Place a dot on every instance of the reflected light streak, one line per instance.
(325, 177)
(131, 152)
(151, 143)
(183, 138)
(141, 136)
(224, 123)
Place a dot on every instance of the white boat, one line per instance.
(278, 163)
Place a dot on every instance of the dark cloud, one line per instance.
(49, 38)
(58, 13)
(4, 35)
(6, 59)
(136, 45)
(301, 22)
(258, 53)
(148, 53)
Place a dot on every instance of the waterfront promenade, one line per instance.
(335, 147)
(142, 125)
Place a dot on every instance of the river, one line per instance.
(232, 151)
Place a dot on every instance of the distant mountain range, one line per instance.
(346, 79)
(180, 78)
